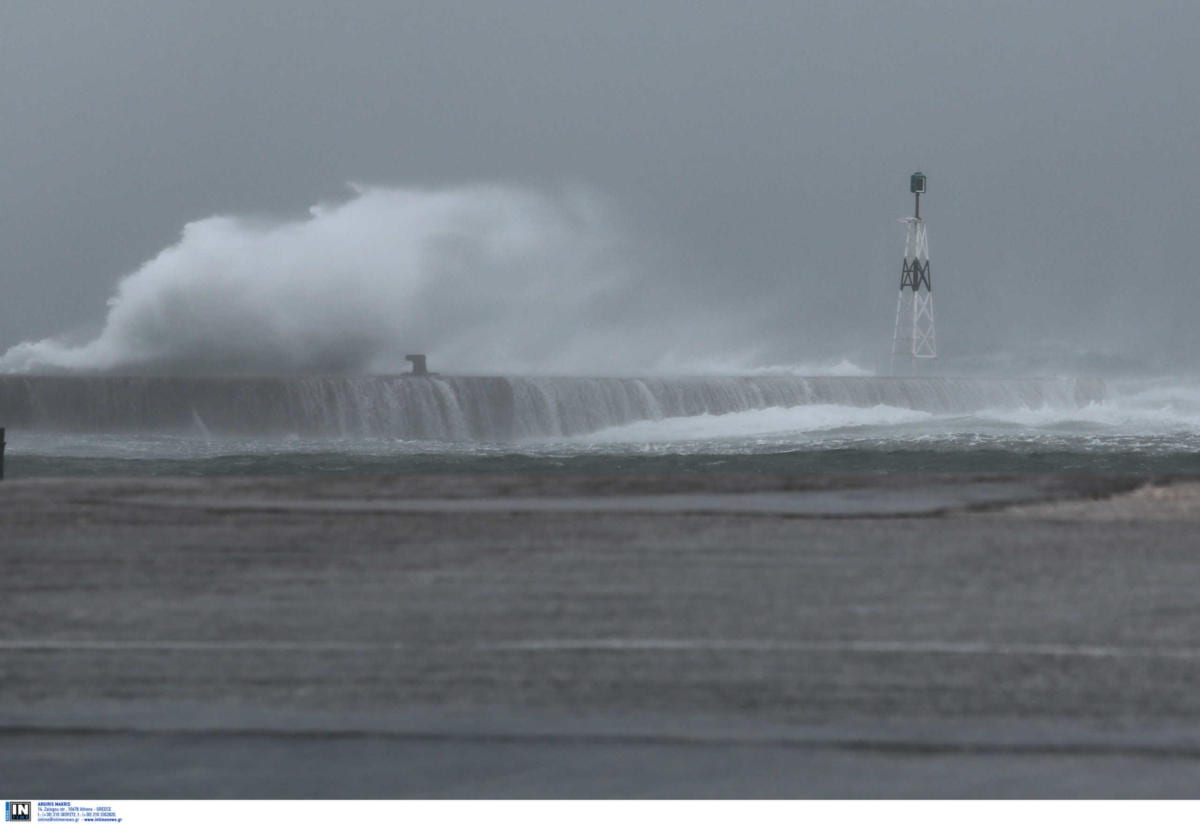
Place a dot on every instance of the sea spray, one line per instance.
(493, 279)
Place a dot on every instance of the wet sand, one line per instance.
(592, 637)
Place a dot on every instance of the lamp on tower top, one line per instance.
(916, 185)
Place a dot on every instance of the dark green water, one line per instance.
(1015, 453)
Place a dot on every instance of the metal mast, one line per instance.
(914, 340)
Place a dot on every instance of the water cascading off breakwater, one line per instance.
(476, 408)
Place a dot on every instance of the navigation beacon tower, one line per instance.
(914, 339)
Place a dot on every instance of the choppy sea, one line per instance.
(1138, 427)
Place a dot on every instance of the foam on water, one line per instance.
(775, 422)
(1130, 410)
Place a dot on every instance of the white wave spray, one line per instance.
(777, 422)
(481, 278)
(1130, 414)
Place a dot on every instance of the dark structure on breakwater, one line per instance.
(419, 369)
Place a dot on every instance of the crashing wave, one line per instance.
(480, 408)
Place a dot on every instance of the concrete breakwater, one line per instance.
(478, 408)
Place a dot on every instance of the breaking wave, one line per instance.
(493, 279)
(1124, 410)
(773, 422)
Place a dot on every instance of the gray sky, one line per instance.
(759, 149)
